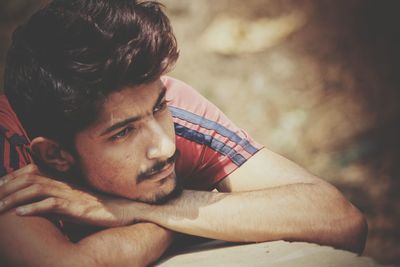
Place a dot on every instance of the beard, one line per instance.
(163, 196)
(76, 177)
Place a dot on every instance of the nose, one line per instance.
(162, 146)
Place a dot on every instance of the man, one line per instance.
(124, 148)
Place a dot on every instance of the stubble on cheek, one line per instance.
(108, 177)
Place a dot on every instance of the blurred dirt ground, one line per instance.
(314, 80)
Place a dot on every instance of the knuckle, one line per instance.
(10, 200)
(6, 201)
(37, 189)
(12, 175)
(27, 179)
(32, 168)
(57, 203)
(51, 201)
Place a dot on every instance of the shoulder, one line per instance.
(188, 106)
(181, 95)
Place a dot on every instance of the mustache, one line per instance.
(157, 167)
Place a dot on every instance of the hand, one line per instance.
(34, 194)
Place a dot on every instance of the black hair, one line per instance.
(72, 54)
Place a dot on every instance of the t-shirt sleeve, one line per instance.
(13, 141)
(210, 145)
(13, 153)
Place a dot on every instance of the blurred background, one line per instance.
(314, 80)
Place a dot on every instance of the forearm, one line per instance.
(306, 212)
(34, 241)
(136, 245)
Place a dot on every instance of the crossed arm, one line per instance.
(268, 198)
(34, 241)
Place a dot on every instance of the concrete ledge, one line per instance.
(274, 254)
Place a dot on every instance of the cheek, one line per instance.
(111, 169)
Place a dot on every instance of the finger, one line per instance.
(47, 205)
(21, 182)
(26, 180)
(28, 169)
(28, 194)
(15, 185)
(54, 183)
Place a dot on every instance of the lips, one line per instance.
(163, 173)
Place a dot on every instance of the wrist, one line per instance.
(132, 212)
(141, 211)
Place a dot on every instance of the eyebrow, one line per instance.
(126, 121)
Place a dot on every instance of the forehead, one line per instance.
(127, 102)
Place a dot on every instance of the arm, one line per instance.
(134, 245)
(267, 198)
(35, 241)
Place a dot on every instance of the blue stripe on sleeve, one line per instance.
(212, 125)
(211, 142)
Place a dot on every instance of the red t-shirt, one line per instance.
(210, 145)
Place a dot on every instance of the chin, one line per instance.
(168, 190)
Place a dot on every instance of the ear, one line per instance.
(52, 154)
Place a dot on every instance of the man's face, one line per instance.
(129, 151)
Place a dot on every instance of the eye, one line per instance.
(121, 134)
(161, 106)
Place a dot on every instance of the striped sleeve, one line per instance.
(211, 146)
(13, 153)
(13, 141)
